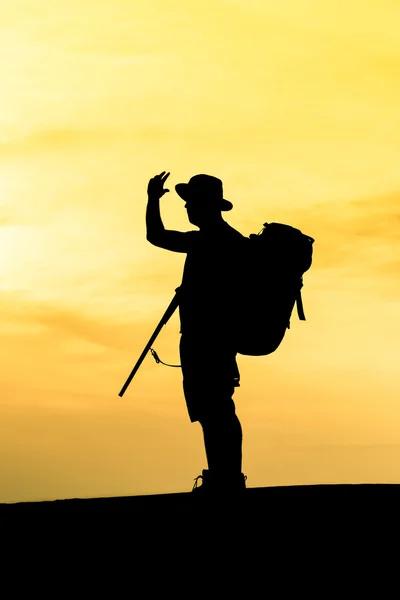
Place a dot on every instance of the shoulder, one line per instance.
(233, 233)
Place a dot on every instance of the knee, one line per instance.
(218, 419)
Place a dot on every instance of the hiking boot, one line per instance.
(233, 484)
(224, 484)
(205, 486)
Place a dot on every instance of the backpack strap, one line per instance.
(300, 310)
(299, 303)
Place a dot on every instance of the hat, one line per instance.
(203, 185)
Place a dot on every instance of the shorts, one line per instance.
(210, 375)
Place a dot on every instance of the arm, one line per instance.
(156, 233)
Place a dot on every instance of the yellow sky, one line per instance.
(295, 105)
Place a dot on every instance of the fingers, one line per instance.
(161, 178)
(156, 183)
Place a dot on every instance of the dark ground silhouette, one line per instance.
(346, 497)
(297, 541)
(325, 502)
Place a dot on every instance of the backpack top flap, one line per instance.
(289, 250)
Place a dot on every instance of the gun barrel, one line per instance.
(165, 318)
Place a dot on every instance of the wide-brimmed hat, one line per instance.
(203, 187)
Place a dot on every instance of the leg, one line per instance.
(223, 443)
(210, 376)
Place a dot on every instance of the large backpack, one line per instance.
(271, 269)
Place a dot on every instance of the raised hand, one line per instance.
(155, 189)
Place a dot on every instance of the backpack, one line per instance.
(272, 264)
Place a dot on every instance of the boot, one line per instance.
(206, 484)
(222, 484)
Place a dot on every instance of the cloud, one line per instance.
(52, 139)
(361, 235)
(74, 323)
(377, 217)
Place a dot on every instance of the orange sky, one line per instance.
(295, 106)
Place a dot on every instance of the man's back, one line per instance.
(209, 280)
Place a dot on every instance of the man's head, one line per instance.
(204, 199)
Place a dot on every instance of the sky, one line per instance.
(295, 106)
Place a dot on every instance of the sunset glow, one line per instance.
(295, 106)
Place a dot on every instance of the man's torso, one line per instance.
(209, 281)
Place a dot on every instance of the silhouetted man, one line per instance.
(206, 295)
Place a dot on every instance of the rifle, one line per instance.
(165, 318)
